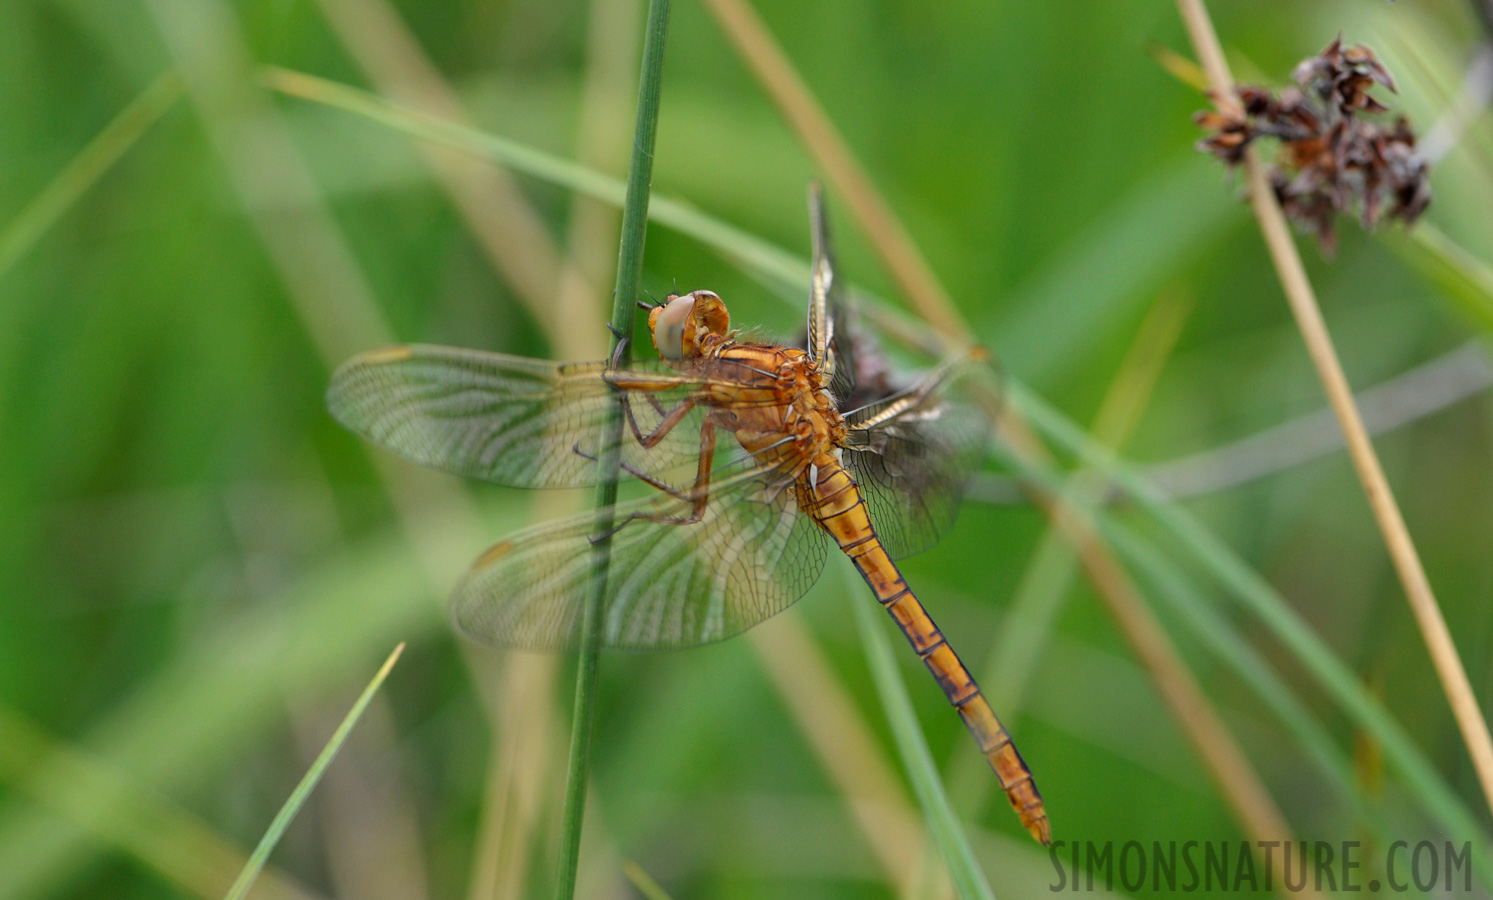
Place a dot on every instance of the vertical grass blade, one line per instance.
(629, 284)
(948, 834)
(87, 167)
(303, 790)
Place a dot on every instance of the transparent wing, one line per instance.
(913, 455)
(830, 342)
(669, 585)
(516, 421)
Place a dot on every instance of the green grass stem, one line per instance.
(624, 304)
(943, 824)
(741, 247)
(297, 799)
(1465, 280)
(1183, 597)
(650, 889)
(1261, 599)
(117, 810)
(786, 269)
(85, 169)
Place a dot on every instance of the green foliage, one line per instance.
(297, 799)
(194, 559)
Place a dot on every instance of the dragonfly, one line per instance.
(754, 459)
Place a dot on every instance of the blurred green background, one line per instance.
(199, 570)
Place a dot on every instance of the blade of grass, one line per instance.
(741, 247)
(1412, 395)
(629, 285)
(644, 882)
(367, 815)
(227, 685)
(1261, 599)
(1303, 302)
(917, 761)
(509, 231)
(1464, 279)
(756, 47)
(783, 272)
(1194, 610)
(827, 715)
(186, 851)
(1044, 585)
(1216, 634)
(297, 799)
(1225, 642)
(762, 258)
(562, 299)
(87, 167)
(1234, 777)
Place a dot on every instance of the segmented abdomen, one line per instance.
(835, 501)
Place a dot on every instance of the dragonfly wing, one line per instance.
(751, 555)
(913, 455)
(830, 325)
(511, 420)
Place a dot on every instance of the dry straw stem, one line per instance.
(893, 244)
(322, 278)
(828, 717)
(518, 247)
(392, 58)
(1236, 779)
(1043, 586)
(507, 228)
(1319, 345)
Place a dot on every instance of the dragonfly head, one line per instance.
(680, 322)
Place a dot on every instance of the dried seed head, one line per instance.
(1330, 159)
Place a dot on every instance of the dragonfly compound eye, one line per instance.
(710, 312)
(668, 332)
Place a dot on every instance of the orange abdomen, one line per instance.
(836, 503)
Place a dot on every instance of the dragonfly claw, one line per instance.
(621, 346)
(576, 448)
(615, 332)
(607, 535)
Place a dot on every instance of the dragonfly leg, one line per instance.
(621, 346)
(698, 495)
(666, 424)
(657, 407)
(699, 492)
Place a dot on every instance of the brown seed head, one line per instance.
(1330, 159)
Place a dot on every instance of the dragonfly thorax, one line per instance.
(776, 406)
